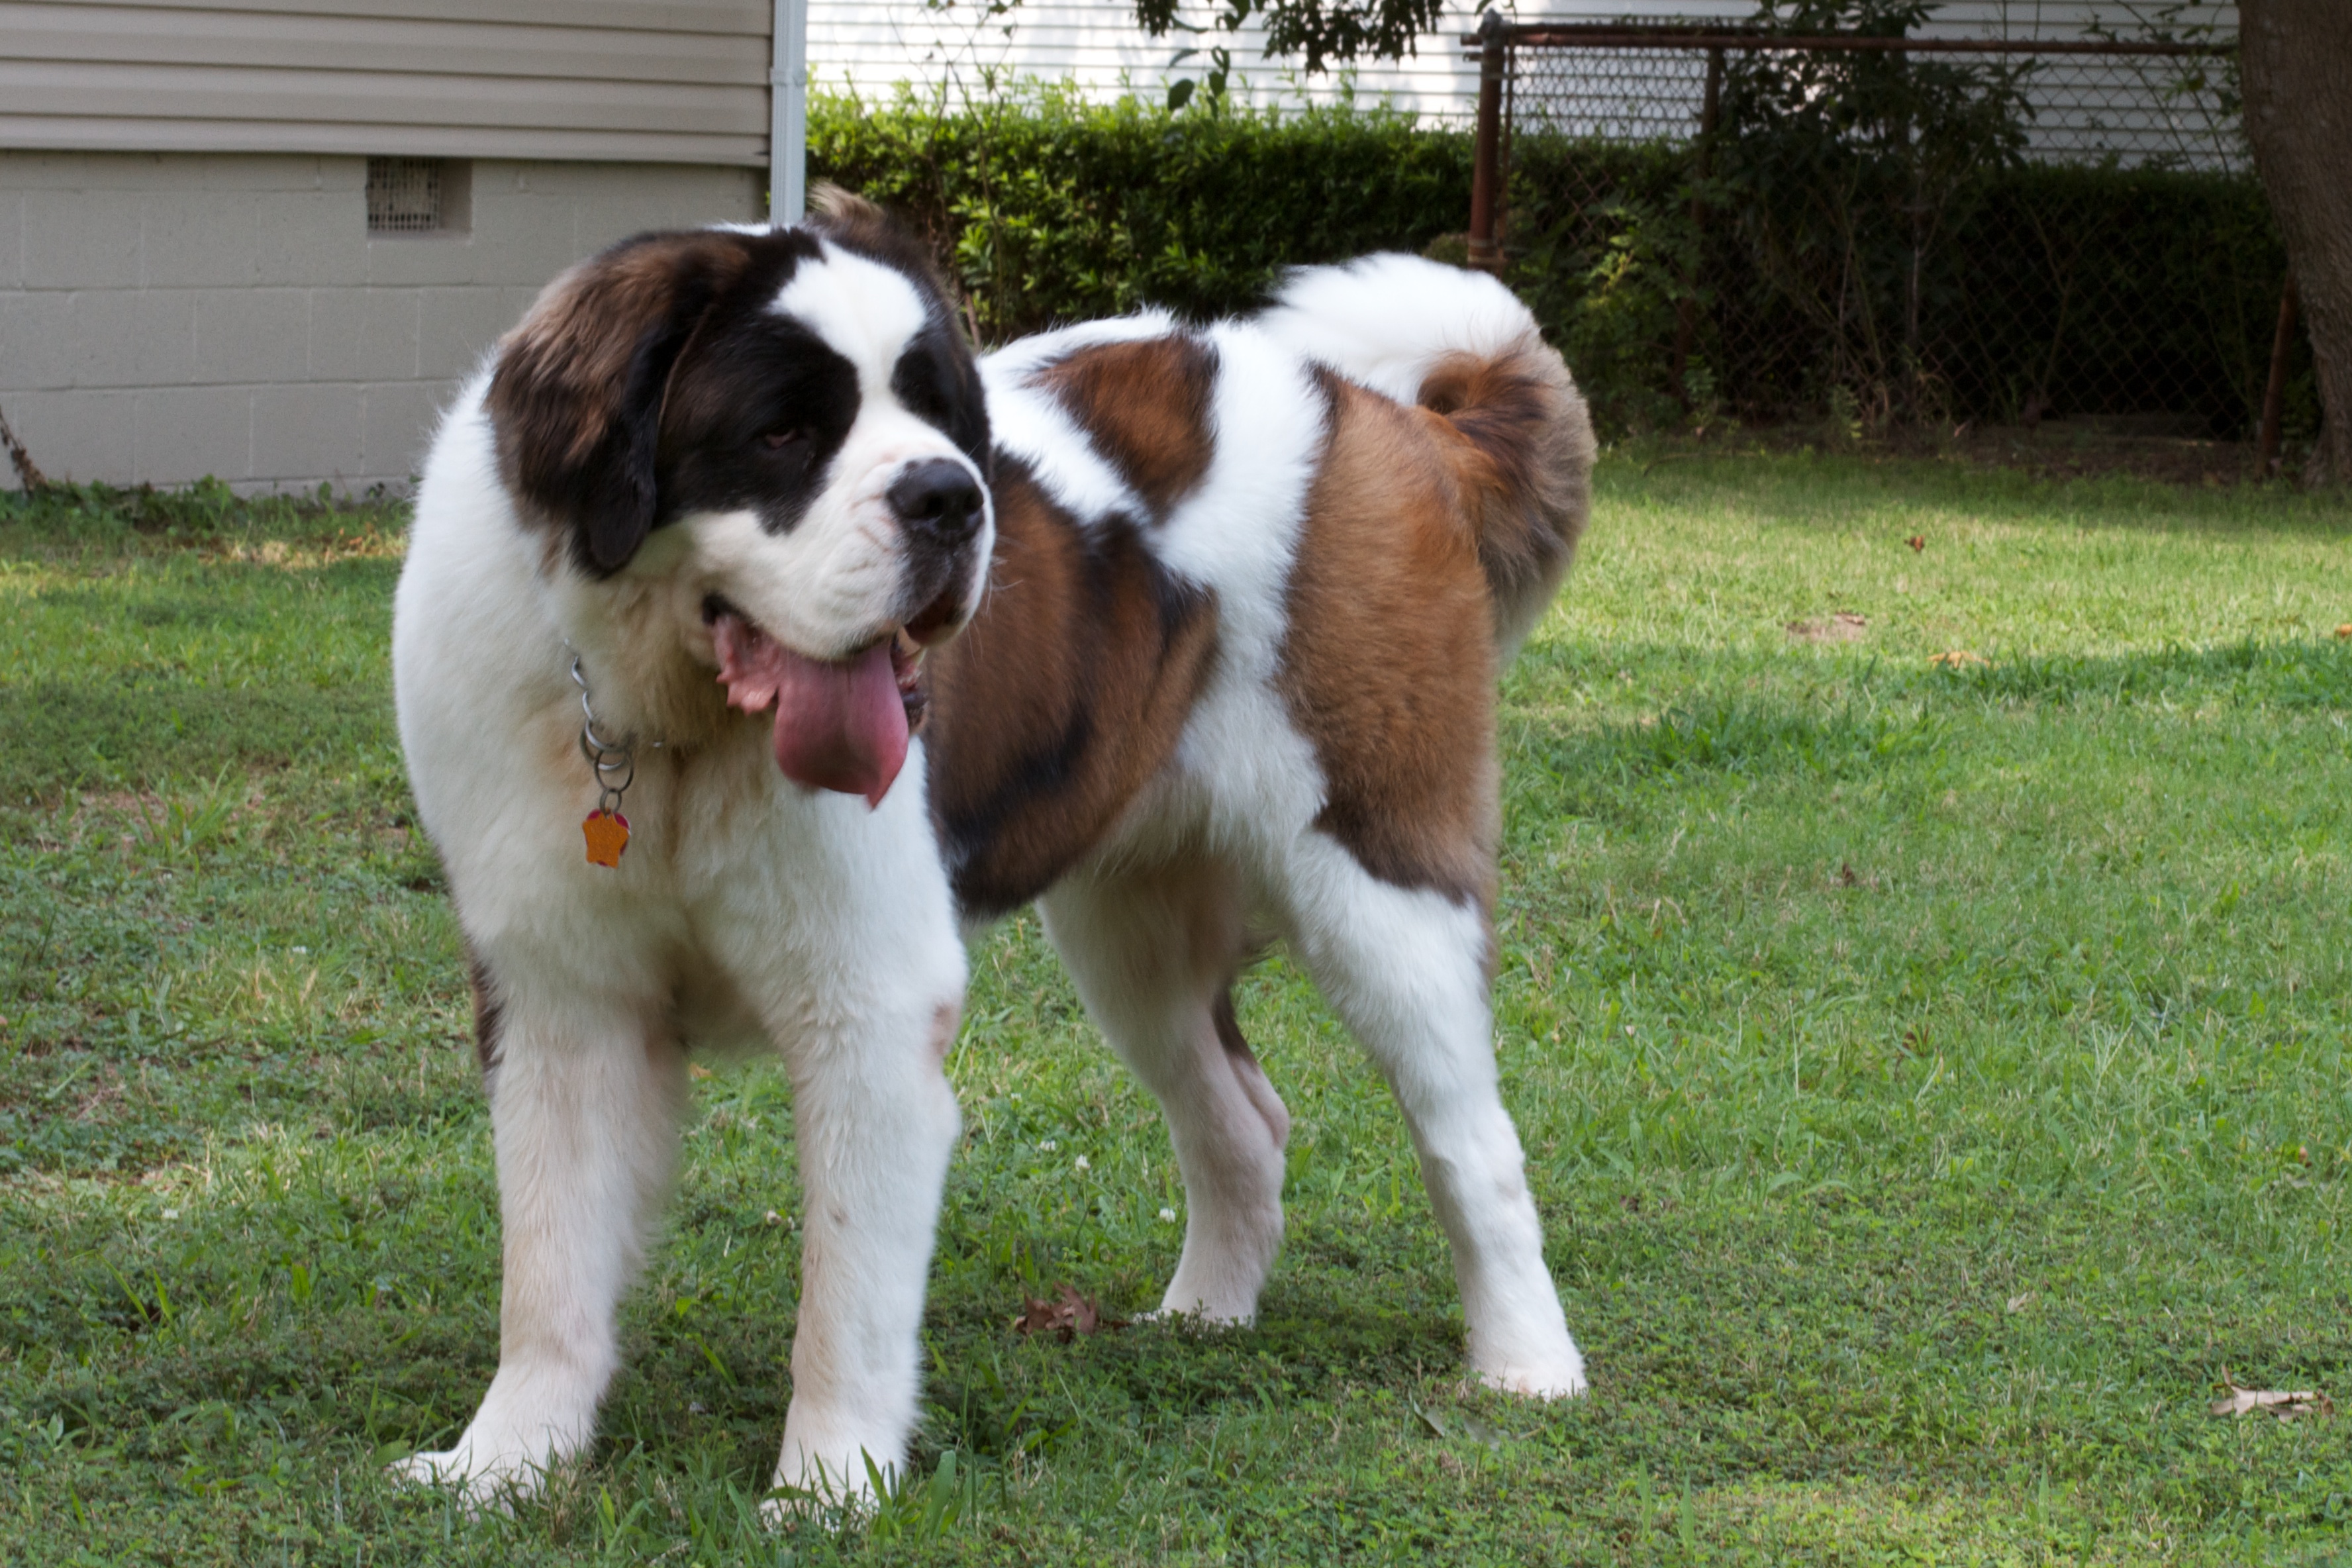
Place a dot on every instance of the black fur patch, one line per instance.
(654, 380)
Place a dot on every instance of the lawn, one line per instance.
(1934, 1075)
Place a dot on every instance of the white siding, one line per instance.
(957, 49)
(519, 78)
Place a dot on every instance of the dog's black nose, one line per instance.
(938, 499)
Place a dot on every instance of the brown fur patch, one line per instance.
(1389, 664)
(1061, 700)
(944, 1024)
(489, 1012)
(1145, 405)
(1522, 443)
(576, 399)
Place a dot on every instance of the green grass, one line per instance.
(1933, 1078)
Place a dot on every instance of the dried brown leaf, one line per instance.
(2284, 1405)
(1920, 540)
(1065, 1315)
(1954, 659)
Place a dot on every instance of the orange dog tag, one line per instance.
(608, 834)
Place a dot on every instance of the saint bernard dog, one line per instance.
(755, 643)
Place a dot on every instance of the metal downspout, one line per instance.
(788, 114)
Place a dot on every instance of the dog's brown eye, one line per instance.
(778, 440)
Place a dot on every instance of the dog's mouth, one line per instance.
(840, 724)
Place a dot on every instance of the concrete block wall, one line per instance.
(164, 317)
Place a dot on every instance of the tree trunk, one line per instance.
(2296, 61)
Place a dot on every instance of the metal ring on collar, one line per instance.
(605, 758)
(589, 738)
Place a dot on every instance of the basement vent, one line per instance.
(418, 196)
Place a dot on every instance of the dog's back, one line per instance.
(1330, 524)
(1235, 676)
(1459, 346)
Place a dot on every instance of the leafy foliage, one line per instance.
(1832, 260)
(1047, 208)
(1839, 173)
(1861, 234)
(1317, 31)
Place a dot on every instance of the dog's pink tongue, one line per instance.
(839, 725)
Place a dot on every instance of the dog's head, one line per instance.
(787, 427)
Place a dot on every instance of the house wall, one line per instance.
(187, 282)
(667, 82)
(169, 316)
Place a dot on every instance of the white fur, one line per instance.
(1155, 924)
(1383, 321)
(825, 587)
(750, 910)
(745, 909)
(1037, 430)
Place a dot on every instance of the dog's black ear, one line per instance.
(576, 399)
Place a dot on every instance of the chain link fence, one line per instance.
(1891, 230)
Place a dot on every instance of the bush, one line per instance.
(2050, 290)
(2043, 290)
(1046, 208)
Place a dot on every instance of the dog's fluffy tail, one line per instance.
(1461, 345)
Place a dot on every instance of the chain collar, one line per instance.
(615, 762)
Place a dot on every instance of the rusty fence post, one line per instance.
(2275, 395)
(1485, 169)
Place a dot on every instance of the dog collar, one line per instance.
(616, 766)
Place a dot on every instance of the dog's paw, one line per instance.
(813, 1486)
(485, 1482)
(1554, 1379)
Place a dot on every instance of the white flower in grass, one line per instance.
(1048, 1146)
(1168, 1215)
(1083, 1164)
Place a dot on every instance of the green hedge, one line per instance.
(1048, 208)
(2059, 291)
(2049, 290)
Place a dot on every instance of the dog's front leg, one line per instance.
(584, 1109)
(876, 1122)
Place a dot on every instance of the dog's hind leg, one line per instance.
(1407, 969)
(1153, 953)
(584, 1106)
